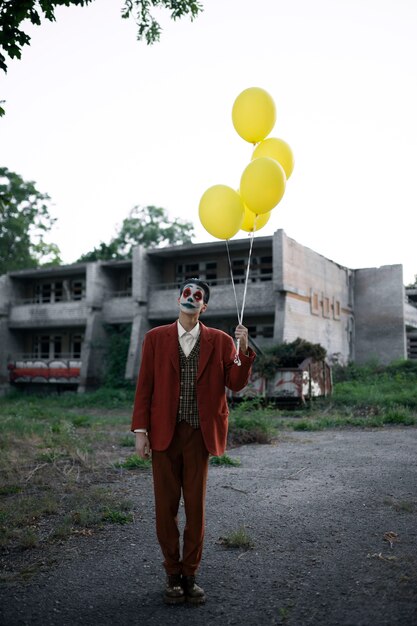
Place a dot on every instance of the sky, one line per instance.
(102, 122)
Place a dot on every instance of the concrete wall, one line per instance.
(8, 341)
(48, 315)
(118, 310)
(163, 303)
(379, 314)
(318, 296)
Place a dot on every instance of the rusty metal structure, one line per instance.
(291, 385)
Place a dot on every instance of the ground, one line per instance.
(332, 516)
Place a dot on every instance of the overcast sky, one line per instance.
(102, 122)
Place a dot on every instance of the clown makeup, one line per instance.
(192, 299)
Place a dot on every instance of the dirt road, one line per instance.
(317, 507)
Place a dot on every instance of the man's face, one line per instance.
(192, 299)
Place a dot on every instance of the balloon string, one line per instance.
(233, 282)
(240, 316)
(247, 270)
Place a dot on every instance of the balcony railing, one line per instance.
(28, 368)
(216, 282)
(127, 293)
(35, 300)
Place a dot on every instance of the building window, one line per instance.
(47, 346)
(239, 270)
(77, 289)
(258, 330)
(43, 293)
(205, 270)
(76, 345)
(260, 269)
(57, 346)
(57, 291)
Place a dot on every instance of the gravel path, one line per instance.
(316, 506)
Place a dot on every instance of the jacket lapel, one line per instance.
(172, 347)
(206, 348)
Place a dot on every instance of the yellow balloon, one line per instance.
(251, 221)
(221, 211)
(253, 114)
(277, 149)
(262, 184)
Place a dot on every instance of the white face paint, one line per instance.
(192, 299)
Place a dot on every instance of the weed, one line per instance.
(63, 529)
(237, 539)
(400, 505)
(114, 516)
(134, 462)
(86, 517)
(25, 509)
(224, 459)
(28, 539)
(81, 421)
(249, 423)
(127, 442)
(7, 490)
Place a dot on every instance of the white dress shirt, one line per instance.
(188, 339)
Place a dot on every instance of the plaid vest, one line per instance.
(188, 410)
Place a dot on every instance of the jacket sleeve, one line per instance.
(237, 376)
(144, 387)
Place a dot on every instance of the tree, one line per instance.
(148, 226)
(24, 220)
(14, 12)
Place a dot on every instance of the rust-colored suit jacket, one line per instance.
(158, 387)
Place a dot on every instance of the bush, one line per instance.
(287, 355)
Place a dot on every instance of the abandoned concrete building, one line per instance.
(54, 322)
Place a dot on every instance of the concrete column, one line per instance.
(93, 364)
(9, 346)
(379, 299)
(278, 285)
(142, 275)
(93, 351)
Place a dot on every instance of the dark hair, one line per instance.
(196, 281)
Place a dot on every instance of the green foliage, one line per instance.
(117, 348)
(24, 221)
(15, 12)
(134, 462)
(127, 441)
(373, 384)
(250, 422)
(114, 516)
(149, 226)
(225, 460)
(148, 28)
(237, 539)
(287, 355)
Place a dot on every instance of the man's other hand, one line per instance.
(143, 448)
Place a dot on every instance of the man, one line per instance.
(180, 412)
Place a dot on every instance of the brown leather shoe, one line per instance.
(193, 593)
(174, 592)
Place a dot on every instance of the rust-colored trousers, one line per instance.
(182, 467)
